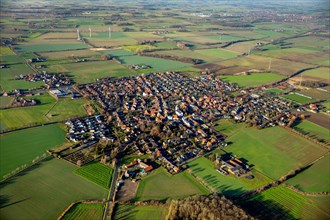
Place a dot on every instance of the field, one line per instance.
(97, 173)
(7, 56)
(131, 212)
(62, 110)
(313, 129)
(316, 94)
(226, 185)
(5, 101)
(253, 80)
(298, 98)
(313, 179)
(228, 128)
(44, 191)
(294, 204)
(48, 47)
(265, 148)
(85, 211)
(69, 54)
(160, 185)
(21, 147)
(322, 73)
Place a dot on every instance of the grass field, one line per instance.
(45, 190)
(322, 73)
(228, 128)
(297, 205)
(7, 56)
(316, 94)
(253, 80)
(131, 212)
(298, 98)
(226, 185)
(160, 185)
(274, 91)
(70, 53)
(62, 110)
(268, 151)
(315, 178)
(85, 211)
(97, 173)
(5, 101)
(21, 147)
(48, 47)
(313, 129)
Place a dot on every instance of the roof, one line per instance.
(148, 168)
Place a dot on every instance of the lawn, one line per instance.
(298, 98)
(322, 73)
(160, 185)
(295, 204)
(228, 185)
(45, 190)
(253, 80)
(315, 178)
(48, 47)
(97, 173)
(21, 147)
(85, 211)
(313, 129)
(47, 111)
(131, 212)
(269, 152)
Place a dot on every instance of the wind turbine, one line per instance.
(270, 64)
(78, 34)
(90, 32)
(109, 31)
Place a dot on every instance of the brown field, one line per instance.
(317, 118)
(71, 53)
(127, 191)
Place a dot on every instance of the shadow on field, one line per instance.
(3, 205)
(125, 212)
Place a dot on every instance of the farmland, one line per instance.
(160, 185)
(322, 73)
(131, 212)
(252, 80)
(313, 179)
(295, 204)
(298, 98)
(44, 195)
(7, 56)
(226, 185)
(270, 143)
(97, 173)
(312, 129)
(21, 147)
(48, 47)
(85, 211)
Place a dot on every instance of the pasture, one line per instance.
(321, 73)
(312, 129)
(293, 203)
(298, 98)
(97, 173)
(132, 212)
(265, 148)
(85, 211)
(49, 47)
(45, 190)
(160, 185)
(313, 179)
(70, 54)
(253, 80)
(316, 94)
(5, 101)
(7, 56)
(227, 185)
(21, 147)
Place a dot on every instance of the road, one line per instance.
(107, 215)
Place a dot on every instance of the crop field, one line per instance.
(316, 94)
(295, 204)
(21, 147)
(48, 47)
(138, 48)
(253, 80)
(8, 75)
(49, 111)
(40, 194)
(313, 179)
(311, 42)
(70, 53)
(118, 53)
(85, 211)
(271, 147)
(322, 73)
(227, 185)
(313, 129)
(5, 101)
(97, 173)
(7, 56)
(161, 185)
(298, 98)
(131, 212)
(90, 71)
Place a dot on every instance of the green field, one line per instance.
(97, 173)
(48, 47)
(21, 147)
(322, 73)
(227, 185)
(315, 178)
(274, 91)
(295, 204)
(8, 56)
(131, 212)
(47, 111)
(313, 129)
(265, 148)
(45, 190)
(227, 127)
(85, 212)
(160, 185)
(298, 98)
(253, 80)
(5, 101)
